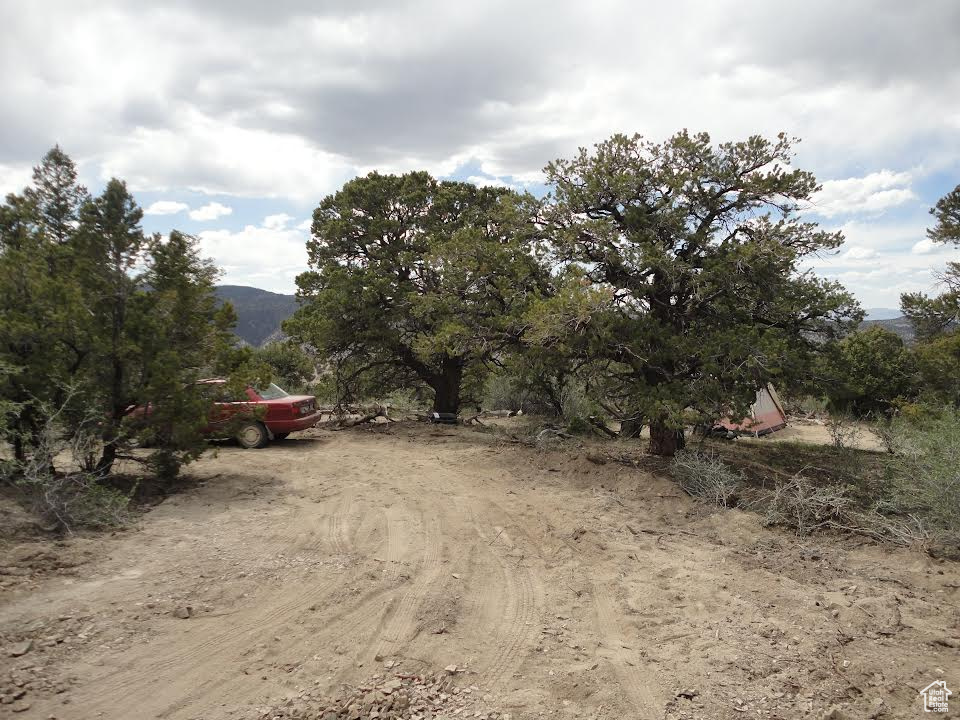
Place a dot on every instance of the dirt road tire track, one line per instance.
(637, 678)
(401, 625)
(511, 605)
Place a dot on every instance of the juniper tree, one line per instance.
(41, 321)
(416, 281)
(692, 252)
(96, 319)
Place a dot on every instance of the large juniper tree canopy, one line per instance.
(698, 249)
(417, 280)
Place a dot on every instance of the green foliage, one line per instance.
(938, 362)
(932, 316)
(947, 213)
(291, 366)
(505, 391)
(42, 319)
(56, 196)
(416, 282)
(9, 410)
(691, 293)
(924, 473)
(96, 319)
(869, 372)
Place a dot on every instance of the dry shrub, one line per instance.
(844, 431)
(886, 433)
(806, 507)
(800, 504)
(549, 436)
(909, 530)
(705, 476)
(72, 499)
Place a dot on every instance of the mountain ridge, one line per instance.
(260, 313)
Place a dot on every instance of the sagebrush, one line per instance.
(705, 476)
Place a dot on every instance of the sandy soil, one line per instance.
(815, 432)
(560, 588)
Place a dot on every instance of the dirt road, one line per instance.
(557, 586)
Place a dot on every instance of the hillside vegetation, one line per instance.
(260, 313)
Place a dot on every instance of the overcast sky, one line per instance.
(231, 119)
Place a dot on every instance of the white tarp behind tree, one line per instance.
(766, 415)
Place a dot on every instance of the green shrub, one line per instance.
(575, 401)
(924, 474)
(408, 401)
(291, 365)
(938, 362)
(578, 425)
(508, 391)
(869, 372)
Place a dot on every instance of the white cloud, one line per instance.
(277, 222)
(883, 235)
(871, 194)
(217, 157)
(166, 207)
(257, 255)
(877, 274)
(857, 252)
(305, 225)
(481, 181)
(333, 87)
(14, 179)
(210, 211)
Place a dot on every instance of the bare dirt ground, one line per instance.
(558, 587)
(815, 432)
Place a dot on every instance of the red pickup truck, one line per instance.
(271, 413)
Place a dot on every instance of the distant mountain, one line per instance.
(259, 312)
(900, 325)
(882, 313)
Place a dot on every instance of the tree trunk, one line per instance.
(665, 440)
(631, 426)
(107, 458)
(553, 388)
(19, 449)
(111, 431)
(446, 388)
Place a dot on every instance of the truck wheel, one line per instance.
(280, 436)
(252, 435)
